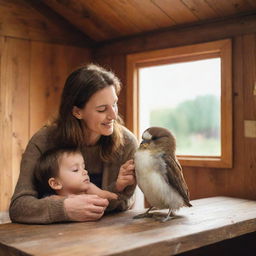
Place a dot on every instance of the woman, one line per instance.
(88, 119)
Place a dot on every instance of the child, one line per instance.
(61, 171)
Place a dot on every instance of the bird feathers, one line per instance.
(175, 177)
(152, 179)
(158, 172)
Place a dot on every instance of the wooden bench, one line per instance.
(209, 221)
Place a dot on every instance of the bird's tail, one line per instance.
(187, 203)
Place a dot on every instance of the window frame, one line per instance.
(221, 49)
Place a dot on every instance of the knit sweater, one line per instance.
(25, 205)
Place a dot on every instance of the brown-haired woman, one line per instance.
(88, 118)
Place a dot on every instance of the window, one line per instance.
(187, 90)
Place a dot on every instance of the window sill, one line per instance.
(205, 161)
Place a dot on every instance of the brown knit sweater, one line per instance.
(25, 205)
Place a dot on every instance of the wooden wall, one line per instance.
(239, 181)
(34, 63)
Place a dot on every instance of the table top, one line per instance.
(210, 220)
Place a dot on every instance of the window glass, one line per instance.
(185, 98)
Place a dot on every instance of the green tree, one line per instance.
(198, 116)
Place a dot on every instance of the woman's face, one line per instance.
(99, 114)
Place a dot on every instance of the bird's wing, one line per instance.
(175, 177)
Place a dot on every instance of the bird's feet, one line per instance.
(165, 219)
(169, 216)
(144, 215)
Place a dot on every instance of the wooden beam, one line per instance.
(179, 36)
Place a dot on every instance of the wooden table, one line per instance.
(209, 220)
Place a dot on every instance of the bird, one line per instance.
(159, 173)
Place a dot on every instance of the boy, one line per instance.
(61, 171)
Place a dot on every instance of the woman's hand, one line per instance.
(85, 207)
(126, 176)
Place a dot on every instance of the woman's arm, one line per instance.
(25, 205)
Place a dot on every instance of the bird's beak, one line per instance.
(144, 144)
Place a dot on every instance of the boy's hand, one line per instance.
(94, 190)
(126, 176)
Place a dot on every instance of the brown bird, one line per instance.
(158, 172)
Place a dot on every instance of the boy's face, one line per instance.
(72, 174)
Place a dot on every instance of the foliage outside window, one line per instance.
(187, 103)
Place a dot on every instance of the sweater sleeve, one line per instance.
(126, 197)
(25, 205)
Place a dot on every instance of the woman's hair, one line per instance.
(78, 89)
(47, 167)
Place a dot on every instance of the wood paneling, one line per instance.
(87, 20)
(14, 111)
(238, 181)
(51, 65)
(28, 19)
(176, 11)
(200, 9)
(179, 37)
(32, 74)
(104, 20)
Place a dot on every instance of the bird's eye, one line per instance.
(154, 138)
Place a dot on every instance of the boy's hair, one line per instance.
(47, 167)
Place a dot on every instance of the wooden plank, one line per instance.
(228, 8)
(5, 127)
(51, 65)
(30, 19)
(14, 114)
(84, 16)
(249, 107)
(249, 77)
(176, 10)
(200, 9)
(19, 80)
(104, 20)
(242, 5)
(41, 77)
(222, 8)
(210, 220)
(143, 14)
